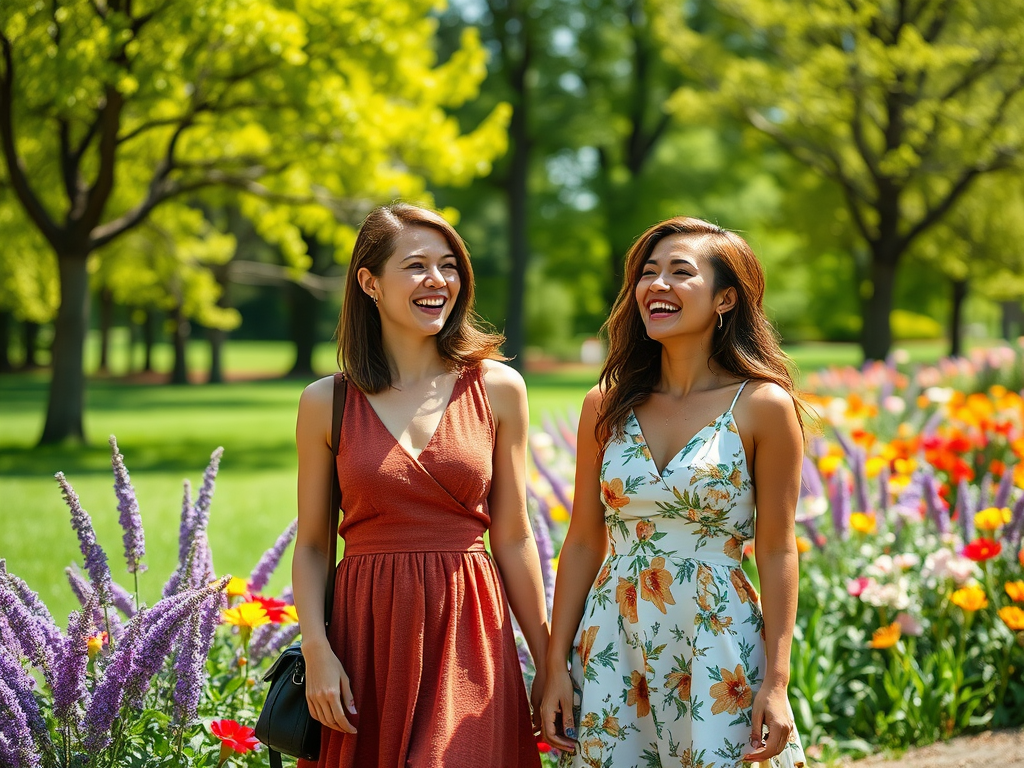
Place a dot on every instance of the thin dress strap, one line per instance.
(737, 395)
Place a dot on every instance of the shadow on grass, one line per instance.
(160, 428)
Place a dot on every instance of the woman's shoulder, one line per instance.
(317, 395)
(767, 405)
(501, 379)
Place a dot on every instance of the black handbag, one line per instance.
(285, 725)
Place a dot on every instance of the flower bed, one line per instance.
(911, 618)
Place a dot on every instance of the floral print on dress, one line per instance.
(670, 651)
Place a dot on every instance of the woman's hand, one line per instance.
(536, 696)
(771, 710)
(327, 685)
(558, 699)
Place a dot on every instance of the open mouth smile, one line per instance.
(661, 309)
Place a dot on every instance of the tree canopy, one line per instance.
(300, 112)
(903, 104)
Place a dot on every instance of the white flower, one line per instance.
(944, 564)
(906, 561)
(810, 507)
(939, 394)
(882, 566)
(887, 595)
(894, 405)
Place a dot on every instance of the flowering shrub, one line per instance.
(910, 625)
(130, 685)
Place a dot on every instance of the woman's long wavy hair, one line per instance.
(746, 345)
(463, 342)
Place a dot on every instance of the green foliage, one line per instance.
(902, 108)
(910, 325)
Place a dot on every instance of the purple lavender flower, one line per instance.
(163, 625)
(555, 433)
(187, 523)
(1012, 533)
(932, 424)
(542, 505)
(128, 506)
(269, 561)
(269, 639)
(123, 599)
(109, 694)
(985, 491)
(287, 595)
(34, 638)
(95, 557)
(860, 480)
(934, 503)
(85, 594)
(556, 483)
(811, 526)
(883, 490)
(69, 689)
(202, 506)
(849, 449)
(17, 746)
(1002, 497)
(547, 553)
(30, 599)
(965, 509)
(840, 502)
(20, 684)
(810, 480)
(190, 660)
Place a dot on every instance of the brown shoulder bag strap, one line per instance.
(340, 389)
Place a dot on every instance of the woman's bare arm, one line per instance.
(326, 681)
(512, 543)
(582, 553)
(778, 452)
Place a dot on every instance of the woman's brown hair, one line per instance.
(746, 345)
(461, 343)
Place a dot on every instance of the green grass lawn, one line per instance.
(167, 433)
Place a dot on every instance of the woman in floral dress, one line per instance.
(672, 658)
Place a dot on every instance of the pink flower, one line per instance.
(234, 736)
(909, 625)
(856, 586)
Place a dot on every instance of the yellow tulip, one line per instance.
(247, 615)
(1013, 617)
(863, 523)
(1015, 589)
(970, 598)
(885, 637)
(992, 519)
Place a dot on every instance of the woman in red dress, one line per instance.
(418, 666)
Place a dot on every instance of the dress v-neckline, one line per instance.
(682, 451)
(397, 442)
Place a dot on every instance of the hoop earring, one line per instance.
(719, 319)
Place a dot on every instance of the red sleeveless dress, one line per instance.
(420, 619)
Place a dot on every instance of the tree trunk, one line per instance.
(106, 320)
(876, 331)
(30, 343)
(182, 329)
(216, 336)
(64, 410)
(304, 314)
(956, 322)
(5, 343)
(1011, 324)
(148, 340)
(518, 223)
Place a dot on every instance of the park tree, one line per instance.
(294, 111)
(904, 105)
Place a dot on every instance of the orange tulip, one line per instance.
(885, 637)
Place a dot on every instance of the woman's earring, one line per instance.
(374, 297)
(719, 319)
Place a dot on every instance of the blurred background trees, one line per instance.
(204, 167)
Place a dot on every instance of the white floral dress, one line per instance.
(670, 651)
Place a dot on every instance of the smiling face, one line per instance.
(418, 285)
(675, 292)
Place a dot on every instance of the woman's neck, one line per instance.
(412, 360)
(685, 367)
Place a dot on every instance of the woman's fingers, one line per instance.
(773, 744)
